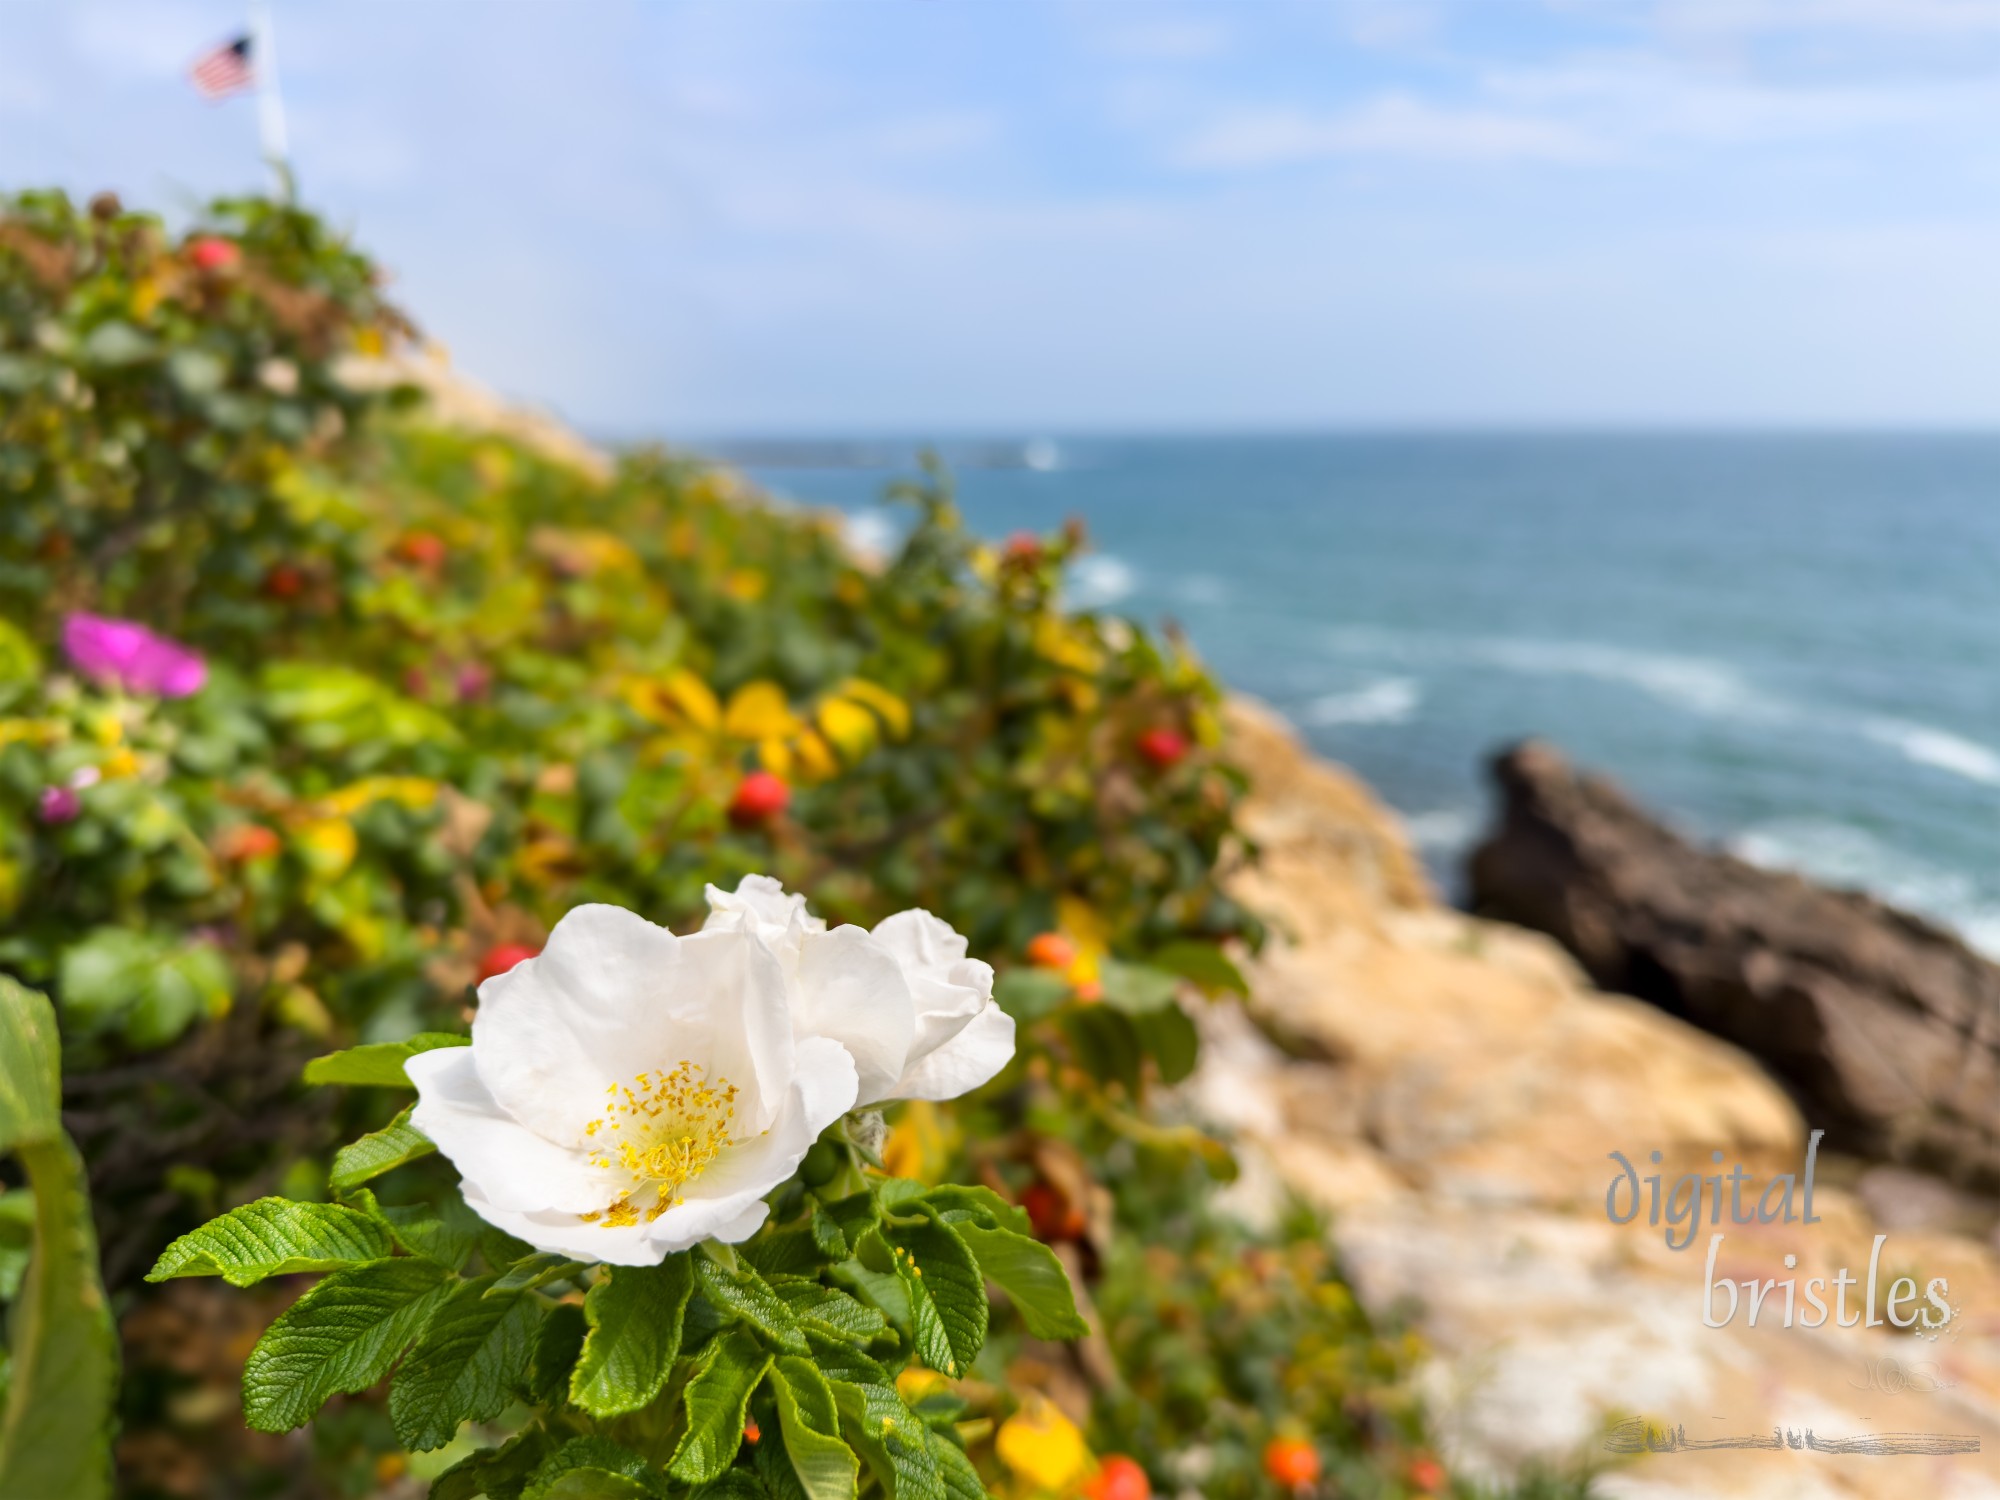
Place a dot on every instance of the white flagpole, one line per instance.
(270, 105)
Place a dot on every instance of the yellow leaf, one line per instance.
(1042, 1446)
(327, 845)
(894, 712)
(816, 761)
(849, 726)
(776, 757)
(746, 584)
(1078, 918)
(368, 341)
(915, 1382)
(758, 711)
(415, 792)
(694, 698)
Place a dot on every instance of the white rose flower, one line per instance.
(914, 1012)
(629, 1093)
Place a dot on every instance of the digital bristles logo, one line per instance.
(1788, 1199)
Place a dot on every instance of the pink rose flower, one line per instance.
(60, 804)
(128, 654)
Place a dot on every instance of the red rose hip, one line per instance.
(1162, 748)
(759, 797)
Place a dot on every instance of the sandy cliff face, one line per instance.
(1450, 1089)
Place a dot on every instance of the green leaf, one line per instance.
(853, 1215)
(464, 1366)
(497, 1473)
(1203, 963)
(741, 1293)
(827, 1311)
(635, 1315)
(536, 1270)
(839, 1360)
(274, 1237)
(62, 1370)
(810, 1424)
(379, 1064)
(446, 1231)
(340, 1337)
(1106, 1044)
(394, 1144)
(1170, 1037)
(1028, 1272)
(717, 1399)
(558, 1342)
(594, 1468)
(1029, 994)
(961, 1480)
(955, 1204)
(891, 1439)
(1136, 989)
(797, 1249)
(150, 986)
(947, 1294)
(30, 1076)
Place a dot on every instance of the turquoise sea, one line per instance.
(1790, 644)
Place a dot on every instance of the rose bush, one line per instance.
(316, 723)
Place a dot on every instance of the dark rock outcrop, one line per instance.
(1886, 1028)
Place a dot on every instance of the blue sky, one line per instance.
(908, 215)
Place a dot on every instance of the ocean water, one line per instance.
(1788, 644)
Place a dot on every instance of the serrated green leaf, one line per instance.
(797, 1249)
(379, 1064)
(853, 1215)
(829, 1311)
(30, 1070)
(983, 1206)
(341, 1336)
(940, 1276)
(394, 1144)
(558, 1342)
(891, 1439)
(809, 1423)
(274, 1237)
(1029, 1273)
(961, 1480)
(741, 1293)
(635, 1315)
(717, 1400)
(464, 1366)
(839, 1360)
(594, 1468)
(446, 1231)
(534, 1271)
(62, 1369)
(880, 1289)
(497, 1473)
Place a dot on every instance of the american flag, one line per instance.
(225, 71)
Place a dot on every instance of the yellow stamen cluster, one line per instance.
(662, 1130)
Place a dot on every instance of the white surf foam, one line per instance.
(1442, 830)
(1098, 580)
(1393, 700)
(1928, 745)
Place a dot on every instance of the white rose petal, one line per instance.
(913, 1010)
(629, 1093)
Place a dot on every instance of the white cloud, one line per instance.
(1392, 125)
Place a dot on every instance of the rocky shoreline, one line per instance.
(1448, 1089)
